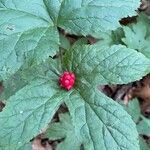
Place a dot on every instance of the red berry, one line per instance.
(67, 80)
(72, 75)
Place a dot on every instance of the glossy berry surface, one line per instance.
(67, 80)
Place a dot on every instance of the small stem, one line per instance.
(61, 58)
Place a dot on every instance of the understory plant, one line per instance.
(142, 123)
(40, 71)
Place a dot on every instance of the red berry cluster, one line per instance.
(67, 80)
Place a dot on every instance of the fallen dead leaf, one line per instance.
(36, 145)
(143, 89)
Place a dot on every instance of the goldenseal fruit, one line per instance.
(67, 80)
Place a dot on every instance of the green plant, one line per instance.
(29, 40)
(142, 123)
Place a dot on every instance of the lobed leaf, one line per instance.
(64, 130)
(97, 64)
(85, 17)
(137, 35)
(98, 120)
(28, 113)
(50, 69)
(27, 34)
(30, 105)
(28, 31)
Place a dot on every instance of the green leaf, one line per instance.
(99, 122)
(12, 85)
(133, 108)
(97, 64)
(85, 17)
(27, 146)
(143, 126)
(137, 36)
(53, 7)
(28, 30)
(110, 37)
(64, 130)
(143, 144)
(27, 34)
(64, 42)
(50, 69)
(28, 112)
(117, 36)
(95, 121)
(30, 107)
